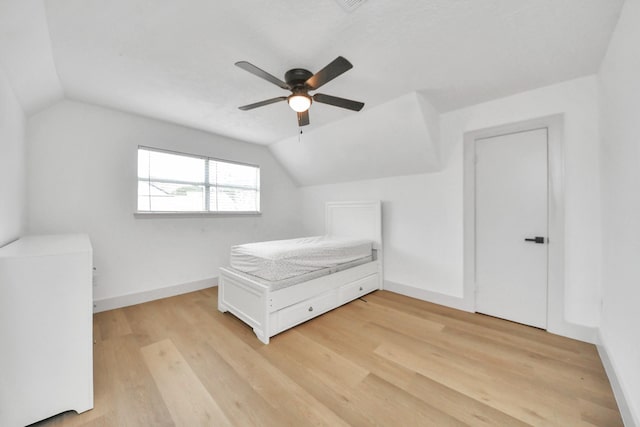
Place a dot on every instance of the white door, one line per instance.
(511, 206)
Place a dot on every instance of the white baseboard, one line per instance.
(430, 296)
(617, 385)
(151, 295)
(577, 332)
(566, 329)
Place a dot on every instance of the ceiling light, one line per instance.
(299, 103)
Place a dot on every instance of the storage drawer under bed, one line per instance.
(303, 311)
(358, 288)
(312, 307)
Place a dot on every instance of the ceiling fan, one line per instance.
(300, 81)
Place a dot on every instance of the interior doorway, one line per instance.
(511, 226)
(555, 313)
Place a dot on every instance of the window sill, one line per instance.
(149, 215)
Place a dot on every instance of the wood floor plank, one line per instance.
(536, 335)
(546, 372)
(325, 364)
(520, 336)
(186, 398)
(395, 406)
(271, 383)
(510, 394)
(133, 397)
(112, 323)
(241, 403)
(345, 337)
(338, 400)
(146, 322)
(462, 407)
(595, 415)
(369, 401)
(384, 360)
(585, 384)
(589, 384)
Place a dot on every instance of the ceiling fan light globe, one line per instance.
(299, 103)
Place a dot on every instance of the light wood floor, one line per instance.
(391, 361)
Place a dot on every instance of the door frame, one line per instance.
(514, 307)
(555, 213)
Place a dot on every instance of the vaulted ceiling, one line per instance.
(174, 59)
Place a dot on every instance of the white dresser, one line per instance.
(46, 328)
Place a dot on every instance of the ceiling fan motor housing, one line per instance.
(297, 77)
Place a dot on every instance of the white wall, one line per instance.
(82, 178)
(423, 214)
(12, 164)
(620, 96)
(421, 225)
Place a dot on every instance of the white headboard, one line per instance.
(361, 220)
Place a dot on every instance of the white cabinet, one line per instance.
(46, 345)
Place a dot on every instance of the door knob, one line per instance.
(536, 239)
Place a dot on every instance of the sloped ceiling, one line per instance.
(173, 59)
(25, 54)
(400, 137)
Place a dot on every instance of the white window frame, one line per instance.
(206, 184)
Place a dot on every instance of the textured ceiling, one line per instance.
(173, 59)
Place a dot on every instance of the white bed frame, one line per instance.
(271, 312)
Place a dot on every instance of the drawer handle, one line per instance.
(360, 287)
(310, 308)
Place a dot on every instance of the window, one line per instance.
(175, 182)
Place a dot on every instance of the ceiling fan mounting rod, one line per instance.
(299, 90)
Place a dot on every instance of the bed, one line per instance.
(272, 297)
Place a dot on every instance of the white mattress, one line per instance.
(291, 281)
(282, 259)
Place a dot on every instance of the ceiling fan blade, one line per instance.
(247, 66)
(328, 73)
(303, 118)
(262, 103)
(338, 102)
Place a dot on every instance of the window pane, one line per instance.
(174, 167)
(231, 174)
(143, 196)
(143, 164)
(170, 197)
(234, 200)
(171, 182)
